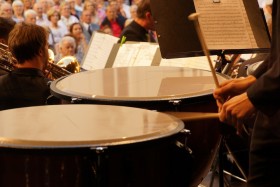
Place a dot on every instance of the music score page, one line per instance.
(98, 51)
(225, 25)
(135, 54)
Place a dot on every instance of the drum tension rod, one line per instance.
(175, 102)
(184, 145)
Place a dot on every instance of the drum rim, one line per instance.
(69, 97)
(34, 144)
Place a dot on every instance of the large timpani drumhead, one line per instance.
(146, 87)
(91, 145)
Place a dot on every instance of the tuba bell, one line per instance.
(7, 61)
(65, 66)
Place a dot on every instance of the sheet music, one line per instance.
(225, 24)
(200, 62)
(135, 54)
(99, 50)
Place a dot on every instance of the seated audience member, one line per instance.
(18, 10)
(91, 6)
(121, 7)
(73, 11)
(30, 16)
(6, 10)
(133, 13)
(26, 85)
(76, 31)
(57, 31)
(67, 47)
(66, 18)
(27, 4)
(142, 28)
(116, 22)
(79, 4)
(88, 26)
(42, 18)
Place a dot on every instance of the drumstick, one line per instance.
(193, 116)
(194, 17)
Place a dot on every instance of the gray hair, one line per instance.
(17, 3)
(30, 12)
(68, 39)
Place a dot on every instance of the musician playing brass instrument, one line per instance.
(26, 85)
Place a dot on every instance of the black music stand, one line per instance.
(177, 38)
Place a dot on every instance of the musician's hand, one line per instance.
(231, 88)
(236, 110)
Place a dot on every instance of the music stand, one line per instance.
(177, 35)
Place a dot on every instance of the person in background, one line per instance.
(79, 5)
(73, 11)
(66, 18)
(91, 6)
(133, 13)
(257, 94)
(18, 11)
(26, 85)
(57, 31)
(124, 8)
(76, 30)
(115, 22)
(30, 16)
(27, 4)
(41, 18)
(56, 5)
(88, 26)
(67, 47)
(142, 27)
(101, 10)
(6, 10)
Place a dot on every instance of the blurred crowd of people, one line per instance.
(71, 23)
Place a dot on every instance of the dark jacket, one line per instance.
(265, 96)
(23, 87)
(134, 32)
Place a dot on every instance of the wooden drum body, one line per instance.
(91, 145)
(155, 88)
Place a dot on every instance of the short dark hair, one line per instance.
(26, 40)
(143, 8)
(6, 25)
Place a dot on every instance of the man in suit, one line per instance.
(88, 26)
(142, 28)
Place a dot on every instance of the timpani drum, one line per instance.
(155, 88)
(92, 145)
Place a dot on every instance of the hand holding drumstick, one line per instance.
(232, 100)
